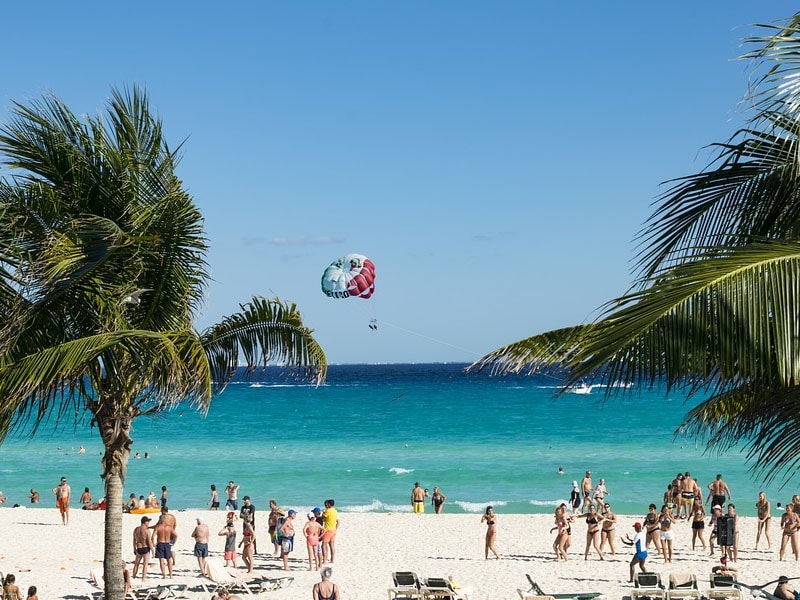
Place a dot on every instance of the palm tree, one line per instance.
(102, 271)
(714, 308)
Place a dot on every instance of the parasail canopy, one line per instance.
(351, 276)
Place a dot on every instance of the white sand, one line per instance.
(40, 551)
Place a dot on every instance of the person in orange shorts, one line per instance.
(63, 493)
(330, 524)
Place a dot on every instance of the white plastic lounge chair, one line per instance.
(221, 577)
(647, 586)
(683, 586)
(536, 590)
(439, 588)
(723, 587)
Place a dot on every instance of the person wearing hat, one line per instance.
(312, 530)
(287, 538)
(639, 543)
(142, 546)
(783, 591)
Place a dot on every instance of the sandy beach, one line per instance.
(57, 559)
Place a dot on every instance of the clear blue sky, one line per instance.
(494, 159)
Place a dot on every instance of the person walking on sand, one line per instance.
(313, 533)
(418, 499)
(491, 532)
(599, 494)
(200, 536)
(762, 509)
(575, 497)
(437, 500)
(639, 543)
(287, 538)
(142, 546)
(562, 526)
(63, 492)
(718, 492)
(229, 533)
(325, 589)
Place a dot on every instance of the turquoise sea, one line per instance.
(371, 431)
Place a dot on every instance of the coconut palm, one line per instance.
(102, 272)
(714, 308)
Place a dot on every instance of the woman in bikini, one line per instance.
(652, 529)
(665, 521)
(593, 520)
(10, 589)
(762, 508)
(313, 532)
(607, 532)
(437, 500)
(561, 525)
(491, 532)
(698, 521)
(247, 544)
(789, 524)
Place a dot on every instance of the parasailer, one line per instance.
(351, 276)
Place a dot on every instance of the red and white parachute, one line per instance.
(351, 276)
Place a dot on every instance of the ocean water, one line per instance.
(367, 435)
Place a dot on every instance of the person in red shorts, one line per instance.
(63, 493)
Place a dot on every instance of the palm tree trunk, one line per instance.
(115, 431)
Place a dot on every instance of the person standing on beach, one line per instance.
(325, 589)
(665, 521)
(437, 500)
(229, 532)
(689, 490)
(491, 532)
(790, 525)
(142, 546)
(200, 536)
(232, 491)
(593, 521)
(248, 542)
(607, 532)
(716, 513)
(273, 522)
(418, 499)
(639, 543)
(214, 500)
(170, 520)
(698, 521)
(63, 492)
(163, 538)
(287, 538)
(330, 523)
(762, 508)
(586, 490)
(718, 492)
(313, 533)
(248, 514)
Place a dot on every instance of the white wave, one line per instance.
(377, 506)
(400, 470)
(547, 502)
(478, 507)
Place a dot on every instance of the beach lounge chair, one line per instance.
(536, 590)
(648, 586)
(528, 596)
(95, 589)
(279, 583)
(683, 586)
(439, 588)
(406, 586)
(723, 587)
(222, 578)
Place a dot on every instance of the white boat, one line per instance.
(583, 388)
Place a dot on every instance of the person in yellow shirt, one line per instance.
(330, 524)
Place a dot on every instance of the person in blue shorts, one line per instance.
(639, 543)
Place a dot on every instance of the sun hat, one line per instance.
(716, 506)
(311, 515)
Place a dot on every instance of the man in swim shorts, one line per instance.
(163, 537)
(330, 523)
(142, 547)
(63, 493)
(200, 535)
(418, 499)
(719, 492)
(586, 490)
(232, 490)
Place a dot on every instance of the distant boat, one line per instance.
(583, 388)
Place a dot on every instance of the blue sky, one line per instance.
(494, 159)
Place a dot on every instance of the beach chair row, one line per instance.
(683, 586)
(407, 586)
